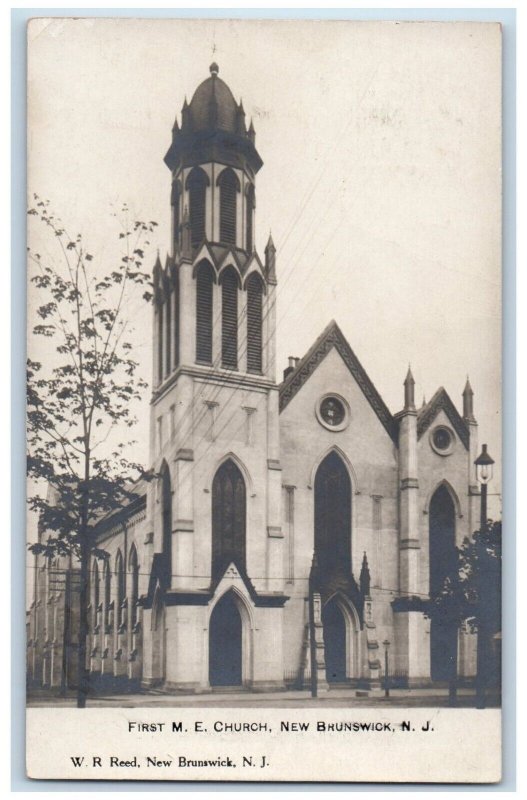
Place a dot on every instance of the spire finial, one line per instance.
(214, 69)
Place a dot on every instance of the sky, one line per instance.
(380, 184)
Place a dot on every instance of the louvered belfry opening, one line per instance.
(204, 312)
(228, 518)
(249, 216)
(229, 319)
(229, 187)
(197, 183)
(176, 212)
(254, 323)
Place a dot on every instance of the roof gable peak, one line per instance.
(332, 337)
(441, 401)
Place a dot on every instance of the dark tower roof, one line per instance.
(213, 129)
(213, 105)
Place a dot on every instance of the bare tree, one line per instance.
(80, 396)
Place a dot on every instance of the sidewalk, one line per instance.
(334, 698)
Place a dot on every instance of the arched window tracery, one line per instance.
(333, 516)
(228, 518)
(107, 593)
(120, 588)
(134, 585)
(442, 563)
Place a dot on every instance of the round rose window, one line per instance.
(332, 412)
(442, 441)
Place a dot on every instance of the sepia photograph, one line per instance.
(264, 395)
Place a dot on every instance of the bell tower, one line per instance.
(215, 297)
(214, 410)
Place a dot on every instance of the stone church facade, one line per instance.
(295, 523)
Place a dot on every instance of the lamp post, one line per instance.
(386, 644)
(484, 471)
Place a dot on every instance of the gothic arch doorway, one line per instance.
(335, 642)
(442, 557)
(226, 643)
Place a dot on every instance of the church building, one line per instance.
(295, 524)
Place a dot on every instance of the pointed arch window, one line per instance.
(443, 563)
(96, 589)
(442, 521)
(229, 319)
(228, 518)
(160, 337)
(249, 218)
(168, 333)
(333, 517)
(166, 491)
(229, 188)
(204, 312)
(107, 594)
(196, 184)
(134, 587)
(121, 588)
(255, 291)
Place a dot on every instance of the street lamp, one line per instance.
(484, 471)
(386, 644)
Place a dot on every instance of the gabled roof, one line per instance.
(332, 337)
(442, 402)
(135, 502)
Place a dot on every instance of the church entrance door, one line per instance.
(334, 626)
(225, 644)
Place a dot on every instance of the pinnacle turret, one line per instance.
(468, 402)
(409, 391)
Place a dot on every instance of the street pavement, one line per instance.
(334, 698)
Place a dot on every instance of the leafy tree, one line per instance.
(81, 392)
(471, 595)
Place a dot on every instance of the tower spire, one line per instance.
(468, 402)
(270, 259)
(409, 387)
(364, 578)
